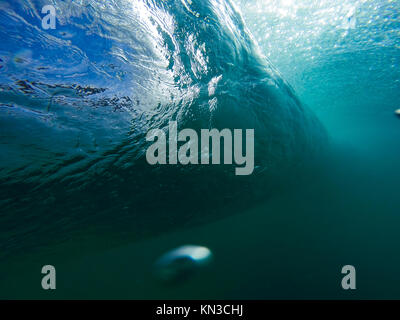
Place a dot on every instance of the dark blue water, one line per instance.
(317, 80)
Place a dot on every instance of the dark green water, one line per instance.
(293, 247)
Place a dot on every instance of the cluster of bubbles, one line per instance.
(322, 47)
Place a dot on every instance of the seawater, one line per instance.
(342, 61)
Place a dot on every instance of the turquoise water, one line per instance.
(77, 101)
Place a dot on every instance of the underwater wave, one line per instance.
(76, 104)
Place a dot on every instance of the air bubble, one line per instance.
(181, 263)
